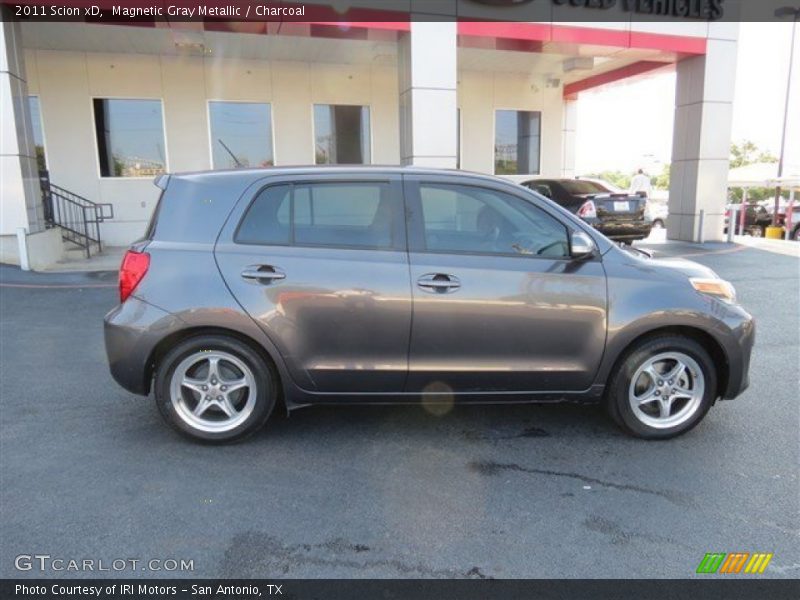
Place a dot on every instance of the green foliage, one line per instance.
(747, 153)
(617, 178)
(661, 181)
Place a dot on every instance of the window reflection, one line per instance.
(517, 140)
(241, 135)
(130, 137)
(341, 134)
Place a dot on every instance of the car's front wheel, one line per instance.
(663, 387)
(214, 388)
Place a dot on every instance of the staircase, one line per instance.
(78, 218)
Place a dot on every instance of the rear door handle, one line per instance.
(263, 274)
(438, 283)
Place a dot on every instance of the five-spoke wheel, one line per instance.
(215, 388)
(663, 387)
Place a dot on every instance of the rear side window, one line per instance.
(347, 214)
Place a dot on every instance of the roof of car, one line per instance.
(252, 174)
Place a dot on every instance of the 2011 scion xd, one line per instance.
(295, 286)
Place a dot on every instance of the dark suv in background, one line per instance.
(342, 285)
(619, 216)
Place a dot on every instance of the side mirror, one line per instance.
(581, 245)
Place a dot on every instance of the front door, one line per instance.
(321, 265)
(498, 303)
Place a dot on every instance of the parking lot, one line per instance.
(90, 471)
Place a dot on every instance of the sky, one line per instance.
(629, 125)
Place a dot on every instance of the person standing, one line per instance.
(640, 183)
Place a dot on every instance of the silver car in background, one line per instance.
(254, 289)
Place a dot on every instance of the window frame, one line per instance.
(314, 134)
(398, 229)
(240, 101)
(416, 226)
(494, 140)
(100, 175)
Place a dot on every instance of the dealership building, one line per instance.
(106, 107)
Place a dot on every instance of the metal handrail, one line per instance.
(78, 218)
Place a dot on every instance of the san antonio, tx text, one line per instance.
(129, 589)
(201, 10)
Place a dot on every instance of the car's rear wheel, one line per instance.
(796, 234)
(215, 389)
(662, 387)
(658, 224)
(756, 231)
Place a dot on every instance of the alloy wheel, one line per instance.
(213, 391)
(666, 390)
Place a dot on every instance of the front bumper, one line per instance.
(738, 353)
(132, 333)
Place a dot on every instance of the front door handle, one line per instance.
(440, 283)
(263, 274)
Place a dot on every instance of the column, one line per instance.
(568, 134)
(20, 198)
(702, 139)
(427, 71)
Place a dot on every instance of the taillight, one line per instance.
(133, 269)
(588, 210)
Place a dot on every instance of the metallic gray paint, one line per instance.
(353, 326)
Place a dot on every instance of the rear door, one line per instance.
(321, 264)
(498, 303)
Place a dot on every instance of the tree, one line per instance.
(617, 178)
(661, 181)
(747, 153)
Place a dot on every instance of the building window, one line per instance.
(130, 137)
(241, 134)
(341, 134)
(38, 133)
(517, 142)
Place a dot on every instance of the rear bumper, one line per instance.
(622, 230)
(132, 332)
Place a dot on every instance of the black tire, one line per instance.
(796, 234)
(266, 383)
(757, 231)
(658, 224)
(617, 392)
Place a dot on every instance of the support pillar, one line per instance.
(701, 141)
(20, 198)
(569, 130)
(427, 71)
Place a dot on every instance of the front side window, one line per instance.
(346, 215)
(341, 134)
(241, 134)
(517, 142)
(38, 133)
(130, 137)
(467, 219)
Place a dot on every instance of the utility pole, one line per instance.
(786, 11)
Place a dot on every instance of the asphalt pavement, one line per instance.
(89, 471)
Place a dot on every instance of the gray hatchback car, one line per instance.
(254, 289)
